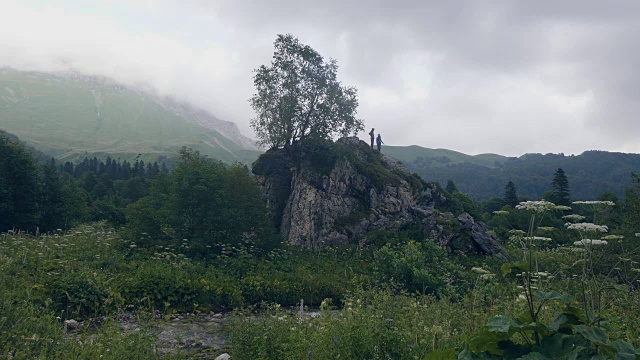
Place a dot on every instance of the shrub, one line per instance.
(421, 267)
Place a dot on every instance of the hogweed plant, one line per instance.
(576, 332)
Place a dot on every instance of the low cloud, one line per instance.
(473, 76)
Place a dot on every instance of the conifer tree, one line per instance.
(52, 198)
(451, 187)
(18, 186)
(510, 195)
(560, 189)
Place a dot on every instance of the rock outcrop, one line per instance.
(321, 193)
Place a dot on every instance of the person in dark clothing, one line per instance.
(379, 142)
(373, 135)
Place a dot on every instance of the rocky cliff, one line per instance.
(321, 193)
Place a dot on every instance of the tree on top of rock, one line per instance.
(298, 96)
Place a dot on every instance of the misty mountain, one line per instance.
(69, 115)
(485, 176)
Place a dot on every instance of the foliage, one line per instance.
(631, 225)
(371, 325)
(299, 96)
(420, 267)
(510, 195)
(560, 189)
(202, 205)
(451, 187)
(18, 186)
(591, 172)
(579, 330)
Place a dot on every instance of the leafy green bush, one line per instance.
(181, 286)
(421, 267)
(79, 295)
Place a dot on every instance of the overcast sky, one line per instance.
(476, 76)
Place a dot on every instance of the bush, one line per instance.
(421, 267)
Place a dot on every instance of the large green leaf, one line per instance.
(534, 356)
(564, 347)
(625, 351)
(499, 324)
(558, 321)
(593, 334)
(468, 355)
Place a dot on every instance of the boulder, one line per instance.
(320, 193)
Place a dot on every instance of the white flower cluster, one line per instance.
(501, 212)
(536, 206)
(587, 227)
(613, 237)
(606, 203)
(573, 217)
(480, 270)
(585, 242)
(538, 238)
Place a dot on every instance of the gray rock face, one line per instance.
(329, 193)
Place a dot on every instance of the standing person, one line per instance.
(373, 135)
(379, 142)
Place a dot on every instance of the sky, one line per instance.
(476, 76)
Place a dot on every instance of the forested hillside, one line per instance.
(484, 177)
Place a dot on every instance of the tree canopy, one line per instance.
(299, 96)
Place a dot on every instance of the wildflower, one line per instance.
(546, 228)
(541, 274)
(536, 206)
(587, 227)
(613, 237)
(573, 217)
(501, 212)
(539, 238)
(585, 242)
(487, 276)
(480, 270)
(606, 203)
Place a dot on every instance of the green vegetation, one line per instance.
(483, 177)
(196, 239)
(72, 117)
(408, 154)
(298, 96)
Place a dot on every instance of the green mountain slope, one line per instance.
(442, 156)
(71, 115)
(485, 176)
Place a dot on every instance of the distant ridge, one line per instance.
(413, 152)
(485, 176)
(72, 115)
